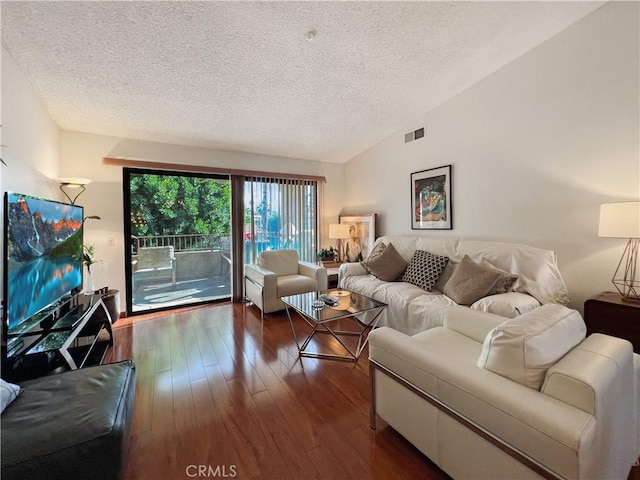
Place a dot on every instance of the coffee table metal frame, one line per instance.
(351, 305)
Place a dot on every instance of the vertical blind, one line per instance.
(280, 213)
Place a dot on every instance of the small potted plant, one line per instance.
(89, 259)
(327, 255)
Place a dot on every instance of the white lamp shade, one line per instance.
(338, 230)
(620, 220)
(74, 182)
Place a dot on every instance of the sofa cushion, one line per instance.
(445, 275)
(388, 266)
(8, 393)
(424, 269)
(280, 262)
(505, 281)
(295, 284)
(376, 252)
(524, 348)
(504, 284)
(470, 282)
(537, 268)
(510, 304)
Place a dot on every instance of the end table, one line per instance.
(608, 313)
(332, 277)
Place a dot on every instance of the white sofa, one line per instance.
(412, 309)
(581, 422)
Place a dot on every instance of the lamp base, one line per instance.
(628, 284)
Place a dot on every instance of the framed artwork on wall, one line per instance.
(362, 235)
(431, 207)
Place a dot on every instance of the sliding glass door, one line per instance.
(180, 239)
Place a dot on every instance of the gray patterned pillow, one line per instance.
(376, 252)
(424, 269)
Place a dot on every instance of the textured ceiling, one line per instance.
(248, 76)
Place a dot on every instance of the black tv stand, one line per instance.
(72, 340)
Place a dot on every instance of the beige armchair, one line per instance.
(278, 273)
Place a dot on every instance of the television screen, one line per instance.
(43, 254)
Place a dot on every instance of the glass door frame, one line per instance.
(127, 172)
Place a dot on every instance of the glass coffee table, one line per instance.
(322, 318)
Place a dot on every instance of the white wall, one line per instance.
(535, 149)
(30, 139)
(82, 156)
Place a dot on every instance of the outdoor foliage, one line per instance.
(179, 205)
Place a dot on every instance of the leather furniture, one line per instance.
(279, 273)
(528, 397)
(71, 425)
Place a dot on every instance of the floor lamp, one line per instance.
(74, 184)
(622, 220)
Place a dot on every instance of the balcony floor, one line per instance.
(161, 294)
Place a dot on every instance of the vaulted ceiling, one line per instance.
(308, 80)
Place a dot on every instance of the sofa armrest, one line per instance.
(314, 271)
(588, 370)
(351, 270)
(598, 377)
(473, 324)
(263, 277)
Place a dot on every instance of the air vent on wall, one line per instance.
(415, 135)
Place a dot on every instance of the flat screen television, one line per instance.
(43, 260)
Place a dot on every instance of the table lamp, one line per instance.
(339, 231)
(622, 220)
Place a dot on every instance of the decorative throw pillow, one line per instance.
(470, 282)
(525, 347)
(510, 304)
(376, 252)
(8, 393)
(504, 283)
(388, 266)
(445, 275)
(424, 269)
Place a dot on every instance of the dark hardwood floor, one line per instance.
(219, 394)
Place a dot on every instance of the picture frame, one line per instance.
(431, 201)
(362, 229)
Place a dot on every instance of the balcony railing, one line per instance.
(202, 271)
(183, 243)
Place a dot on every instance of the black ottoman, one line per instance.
(72, 425)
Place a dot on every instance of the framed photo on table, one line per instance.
(431, 199)
(362, 235)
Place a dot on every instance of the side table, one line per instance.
(332, 277)
(608, 313)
